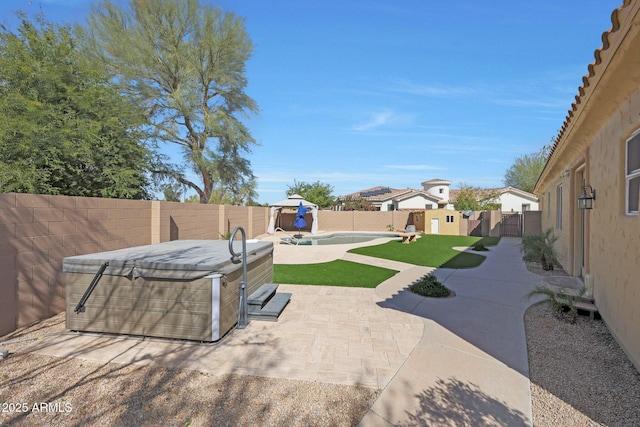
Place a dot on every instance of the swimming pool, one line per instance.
(340, 238)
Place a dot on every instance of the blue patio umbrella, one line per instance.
(300, 222)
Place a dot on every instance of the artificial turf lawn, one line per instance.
(334, 273)
(431, 250)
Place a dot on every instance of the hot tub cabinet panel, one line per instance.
(202, 308)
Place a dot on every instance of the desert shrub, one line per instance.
(429, 286)
(540, 249)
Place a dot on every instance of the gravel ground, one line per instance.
(579, 377)
(579, 374)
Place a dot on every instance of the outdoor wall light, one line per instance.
(585, 200)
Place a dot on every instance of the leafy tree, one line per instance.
(185, 62)
(351, 203)
(172, 192)
(316, 192)
(63, 127)
(476, 199)
(242, 194)
(524, 172)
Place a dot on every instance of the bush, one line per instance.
(540, 249)
(429, 286)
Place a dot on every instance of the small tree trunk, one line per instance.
(543, 261)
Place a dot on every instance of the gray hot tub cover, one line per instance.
(179, 259)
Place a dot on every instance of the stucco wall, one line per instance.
(513, 203)
(549, 217)
(417, 202)
(613, 238)
(446, 228)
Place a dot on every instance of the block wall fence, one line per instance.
(38, 231)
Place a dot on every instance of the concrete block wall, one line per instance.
(335, 221)
(186, 221)
(362, 220)
(38, 231)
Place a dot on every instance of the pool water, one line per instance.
(342, 238)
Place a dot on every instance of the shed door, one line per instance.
(435, 226)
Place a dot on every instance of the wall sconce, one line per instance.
(585, 200)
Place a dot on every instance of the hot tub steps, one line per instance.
(266, 304)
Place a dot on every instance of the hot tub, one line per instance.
(184, 289)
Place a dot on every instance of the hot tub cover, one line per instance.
(179, 259)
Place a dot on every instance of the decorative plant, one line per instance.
(558, 301)
(390, 227)
(429, 286)
(480, 247)
(540, 248)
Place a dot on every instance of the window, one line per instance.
(559, 209)
(632, 174)
(441, 190)
(449, 218)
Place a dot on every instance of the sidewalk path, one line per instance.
(471, 366)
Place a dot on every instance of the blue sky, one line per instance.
(362, 93)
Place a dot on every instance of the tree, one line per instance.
(63, 128)
(172, 192)
(316, 193)
(476, 199)
(352, 203)
(524, 172)
(185, 62)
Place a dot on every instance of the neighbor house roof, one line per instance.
(381, 194)
(453, 194)
(436, 181)
(377, 194)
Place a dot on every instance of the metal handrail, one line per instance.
(243, 317)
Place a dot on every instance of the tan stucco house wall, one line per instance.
(601, 245)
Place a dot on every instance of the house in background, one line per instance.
(435, 194)
(590, 185)
(391, 199)
(513, 200)
(439, 188)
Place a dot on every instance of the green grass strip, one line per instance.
(334, 273)
(431, 250)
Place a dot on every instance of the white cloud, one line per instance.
(385, 118)
(376, 120)
(412, 88)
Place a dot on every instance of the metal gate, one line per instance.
(511, 225)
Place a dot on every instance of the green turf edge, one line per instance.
(333, 273)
